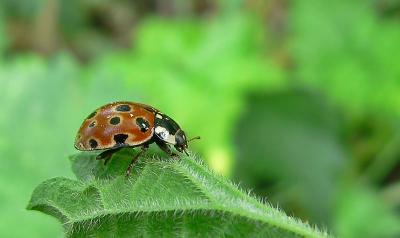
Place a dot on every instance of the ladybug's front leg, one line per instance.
(165, 147)
(129, 169)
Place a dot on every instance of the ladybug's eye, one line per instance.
(180, 138)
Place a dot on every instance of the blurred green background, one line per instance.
(297, 101)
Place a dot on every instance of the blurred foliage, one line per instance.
(36, 129)
(299, 134)
(357, 63)
(304, 94)
(361, 212)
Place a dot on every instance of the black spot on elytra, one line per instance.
(115, 121)
(120, 138)
(91, 115)
(143, 124)
(92, 124)
(93, 143)
(123, 108)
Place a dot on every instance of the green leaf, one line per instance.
(358, 207)
(299, 131)
(162, 197)
(349, 57)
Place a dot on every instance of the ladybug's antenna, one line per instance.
(194, 138)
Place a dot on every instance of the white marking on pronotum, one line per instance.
(164, 134)
(130, 114)
(159, 116)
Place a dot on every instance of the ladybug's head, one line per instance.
(169, 131)
(181, 141)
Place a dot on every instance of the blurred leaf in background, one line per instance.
(3, 38)
(320, 156)
(349, 52)
(289, 146)
(36, 132)
(361, 212)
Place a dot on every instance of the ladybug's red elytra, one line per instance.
(127, 124)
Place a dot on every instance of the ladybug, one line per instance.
(128, 124)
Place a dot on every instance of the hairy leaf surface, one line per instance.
(162, 197)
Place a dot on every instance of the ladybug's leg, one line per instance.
(129, 169)
(106, 155)
(165, 147)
